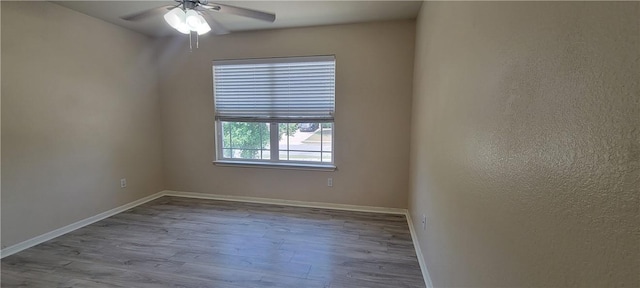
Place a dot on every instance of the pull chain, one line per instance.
(191, 41)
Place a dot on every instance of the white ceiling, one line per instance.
(288, 13)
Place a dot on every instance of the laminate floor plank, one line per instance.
(186, 242)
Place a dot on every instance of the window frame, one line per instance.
(274, 147)
(274, 162)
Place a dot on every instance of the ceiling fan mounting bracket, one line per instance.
(191, 4)
(187, 4)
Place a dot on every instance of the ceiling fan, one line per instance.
(188, 16)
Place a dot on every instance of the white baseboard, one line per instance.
(77, 225)
(416, 245)
(295, 203)
(74, 226)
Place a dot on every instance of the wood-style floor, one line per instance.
(184, 242)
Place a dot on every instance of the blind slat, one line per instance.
(283, 89)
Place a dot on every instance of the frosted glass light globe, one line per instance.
(194, 21)
(176, 19)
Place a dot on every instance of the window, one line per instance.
(275, 111)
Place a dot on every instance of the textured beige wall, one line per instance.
(526, 143)
(374, 78)
(80, 110)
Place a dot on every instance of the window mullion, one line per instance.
(273, 141)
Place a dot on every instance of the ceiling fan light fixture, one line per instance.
(186, 18)
(182, 28)
(176, 19)
(204, 28)
(194, 21)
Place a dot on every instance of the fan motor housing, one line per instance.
(192, 4)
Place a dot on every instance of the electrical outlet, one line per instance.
(123, 183)
(330, 182)
(424, 222)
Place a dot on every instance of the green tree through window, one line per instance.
(251, 137)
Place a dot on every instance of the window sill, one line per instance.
(286, 166)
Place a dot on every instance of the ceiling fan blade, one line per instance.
(216, 27)
(148, 13)
(255, 14)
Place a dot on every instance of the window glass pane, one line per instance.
(288, 133)
(304, 156)
(226, 152)
(327, 138)
(326, 157)
(284, 155)
(305, 142)
(245, 140)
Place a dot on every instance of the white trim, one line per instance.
(295, 203)
(275, 165)
(74, 226)
(416, 245)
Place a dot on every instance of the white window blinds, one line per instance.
(292, 89)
